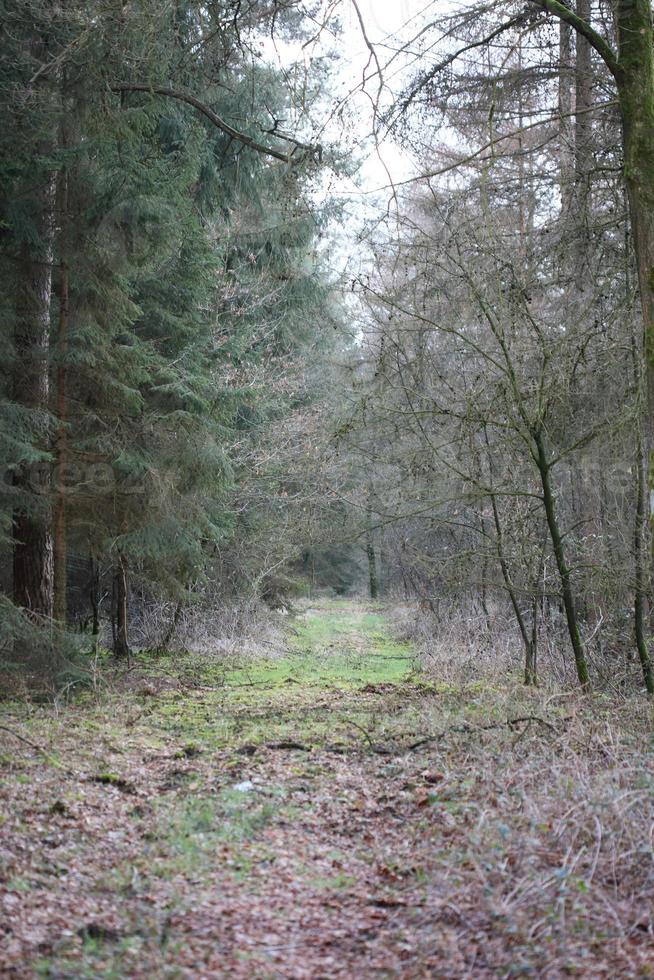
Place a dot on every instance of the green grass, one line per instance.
(333, 646)
(334, 651)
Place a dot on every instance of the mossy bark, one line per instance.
(636, 91)
(544, 467)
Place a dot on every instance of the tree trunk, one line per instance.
(121, 643)
(373, 583)
(583, 156)
(636, 91)
(32, 565)
(60, 529)
(32, 540)
(640, 568)
(642, 581)
(530, 658)
(164, 642)
(94, 600)
(565, 113)
(544, 468)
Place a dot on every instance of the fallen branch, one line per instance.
(22, 738)
(39, 748)
(360, 728)
(529, 718)
(288, 744)
(251, 748)
(476, 729)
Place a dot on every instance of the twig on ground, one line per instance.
(473, 729)
(39, 748)
(364, 731)
(288, 744)
(22, 738)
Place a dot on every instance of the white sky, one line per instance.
(384, 22)
(384, 163)
(362, 196)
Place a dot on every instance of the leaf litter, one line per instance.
(363, 821)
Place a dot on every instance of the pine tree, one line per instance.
(172, 241)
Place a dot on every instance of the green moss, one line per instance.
(340, 882)
(336, 652)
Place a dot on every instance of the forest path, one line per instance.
(249, 823)
(325, 814)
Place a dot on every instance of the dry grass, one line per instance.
(556, 864)
(245, 629)
(487, 850)
(462, 643)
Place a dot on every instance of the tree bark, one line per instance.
(583, 158)
(94, 600)
(60, 528)
(32, 540)
(642, 581)
(641, 591)
(373, 583)
(164, 642)
(544, 468)
(636, 91)
(121, 641)
(530, 657)
(565, 126)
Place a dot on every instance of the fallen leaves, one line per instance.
(290, 848)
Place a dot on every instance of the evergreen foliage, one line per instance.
(181, 295)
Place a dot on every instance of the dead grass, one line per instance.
(489, 850)
(244, 629)
(558, 858)
(557, 863)
(462, 644)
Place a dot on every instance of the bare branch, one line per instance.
(596, 41)
(287, 156)
(455, 55)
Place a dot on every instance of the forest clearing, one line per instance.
(335, 811)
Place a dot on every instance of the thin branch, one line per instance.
(596, 41)
(466, 729)
(21, 738)
(454, 55)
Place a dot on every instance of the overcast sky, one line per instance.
(366, 196)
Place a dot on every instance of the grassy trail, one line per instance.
(225, 827)
(329, 814)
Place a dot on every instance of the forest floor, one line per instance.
(332, 813)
